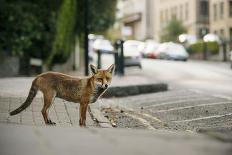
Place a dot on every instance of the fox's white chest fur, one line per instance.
(96, 94)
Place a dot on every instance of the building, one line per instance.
(220, 12)
(137, 15)
(194, 14)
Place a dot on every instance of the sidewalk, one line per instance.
(29, 140)
(27, 134)
(63, 113)
(14, 91)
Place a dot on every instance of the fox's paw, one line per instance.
(51, 123)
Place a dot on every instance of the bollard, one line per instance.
(205, 50)
(121, 59)
(224, 51)
(99, 65)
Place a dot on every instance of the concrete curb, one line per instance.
(222, 134)
(99, 118)
(122, 91)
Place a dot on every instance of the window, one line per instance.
(181, 12)
(186, 11)
(222, 34)
(221, 10)
(161, 17)
(204, 8)
(230, 8)
(230, 38)
(215, 11)
(175, 12)
(166, 15)
(215, 32)
(172, 12)
(231, 34)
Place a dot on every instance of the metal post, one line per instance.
(205, 50)
(116, 61)
(224, 50)
(86, 40)
(121, 60)
(99, 59)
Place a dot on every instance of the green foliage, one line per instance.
(64, 39)
(172, 31)
(212, 47)
(46, 28)
(101, 15)
(26, 27)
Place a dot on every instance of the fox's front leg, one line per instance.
(83, 111)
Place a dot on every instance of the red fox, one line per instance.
(80, 90)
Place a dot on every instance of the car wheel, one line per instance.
(185, 59)
(140, 66)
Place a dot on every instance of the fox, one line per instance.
(83, 90)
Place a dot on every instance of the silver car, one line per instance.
(132, 53)
(172, 51)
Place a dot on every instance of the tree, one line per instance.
(172, 31)
(46, 28)
(70, 22)
(63, 42)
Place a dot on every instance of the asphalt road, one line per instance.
(206, 76)
(210, 77)
(199, 99)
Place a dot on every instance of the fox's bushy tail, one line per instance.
(30, 97)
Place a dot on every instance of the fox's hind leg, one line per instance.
(49, 97)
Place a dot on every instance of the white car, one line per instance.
(132, 53)
(103, 45)
(231, 59)
(150, 49)
(172, 51)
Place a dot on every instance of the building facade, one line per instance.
(138, 16)
(221, 19)
(194, 14)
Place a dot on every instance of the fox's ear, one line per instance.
(93, 69)
(111, 69)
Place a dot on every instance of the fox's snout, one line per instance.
(105, 86)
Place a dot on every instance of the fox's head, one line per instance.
(102, 78)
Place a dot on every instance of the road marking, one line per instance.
(151, 117)
(223, 96)
(188, 107)
(179, 101)
(203, 118)
(155, 99)
(143, 121)
(214, 95)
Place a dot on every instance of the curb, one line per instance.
(99, 118)
(222, 134)
(122, 91)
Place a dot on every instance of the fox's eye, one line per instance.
(99, 79)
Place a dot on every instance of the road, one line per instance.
(210, 77)
(206, 76)
(199, 98)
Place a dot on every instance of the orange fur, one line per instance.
(80, 90)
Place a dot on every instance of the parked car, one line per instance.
(103, 45)
(172, 51)
(132, 53)
(231, 59)
(92, 38)
(150, 49)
